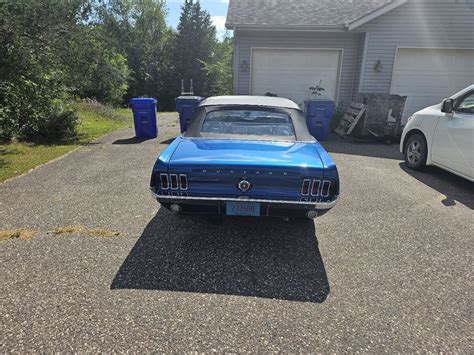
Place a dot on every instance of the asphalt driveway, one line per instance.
(389, 269)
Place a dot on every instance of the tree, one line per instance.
(219, 68)
(96, 70)
(34, 37)
(52, 52)
(194, 45)
(138, 30)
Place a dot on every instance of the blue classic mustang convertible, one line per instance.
(246, 156)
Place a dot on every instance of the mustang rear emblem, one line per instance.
(245, 185)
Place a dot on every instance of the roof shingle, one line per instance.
(298, 13)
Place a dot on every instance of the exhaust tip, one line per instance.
(312, 214)
(176, 208)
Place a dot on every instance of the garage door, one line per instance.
(291, 72)
(427, 76)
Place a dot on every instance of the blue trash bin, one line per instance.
(144, 117)
(185, 106)
(318, 113)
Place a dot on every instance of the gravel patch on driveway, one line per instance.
(389, 269)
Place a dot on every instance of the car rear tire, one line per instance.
(416, 152)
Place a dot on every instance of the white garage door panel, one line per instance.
(427, 76)
(291, 72)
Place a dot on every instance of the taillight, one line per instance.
(305, 187)
(183, 182)
(325, 188)
(174, 181)
(315, 187)
(164, 181)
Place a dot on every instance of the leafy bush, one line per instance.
(55, 125)
(7, 125)
(219, 68)
(8, 117)
(36, 110)
(97, 72)
(33, 95)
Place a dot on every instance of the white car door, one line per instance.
(453, 142)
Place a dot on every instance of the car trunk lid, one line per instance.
(192, 153)
(274, 169)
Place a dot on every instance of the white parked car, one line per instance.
(443, 135)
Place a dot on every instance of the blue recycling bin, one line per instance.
(318, 113)
(144, 117)
(185, 106)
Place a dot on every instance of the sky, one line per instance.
(216, 8)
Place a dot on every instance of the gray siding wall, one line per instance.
(358, 64)
(418, 23)
(246, 40)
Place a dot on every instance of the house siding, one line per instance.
(247, 40)
(418, 23)
(359, 62)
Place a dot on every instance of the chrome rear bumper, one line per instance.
(295, 204)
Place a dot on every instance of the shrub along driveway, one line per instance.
(389, 268)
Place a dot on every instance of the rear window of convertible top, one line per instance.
(260, 123)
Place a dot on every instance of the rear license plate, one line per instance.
(243, 209)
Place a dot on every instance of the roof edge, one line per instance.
(374, 14)
(313, 28)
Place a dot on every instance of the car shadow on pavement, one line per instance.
(455, 188)
(265, 258)
(133, 140)
(368, 148)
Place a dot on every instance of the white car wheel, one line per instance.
(416, 152)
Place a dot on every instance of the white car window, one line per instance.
(467, 104)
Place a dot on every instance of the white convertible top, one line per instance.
(249, 101)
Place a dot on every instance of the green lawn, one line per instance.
(18, 158)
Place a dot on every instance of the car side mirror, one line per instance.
(447, 106)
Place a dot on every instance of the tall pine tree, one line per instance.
(194, 44)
